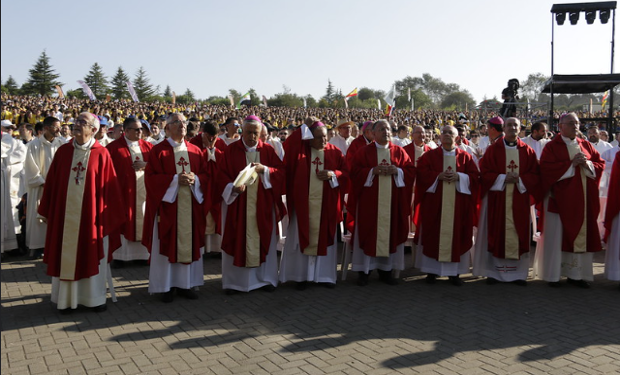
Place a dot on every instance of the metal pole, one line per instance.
(610, 119)
(550, 119)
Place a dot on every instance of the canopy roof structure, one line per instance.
(581, 83)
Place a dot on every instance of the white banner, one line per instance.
(87, 90)
(132, 92)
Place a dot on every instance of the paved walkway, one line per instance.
(411, 328)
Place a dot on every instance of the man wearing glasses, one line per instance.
(130, 154)
(174, 222)
(81, 204)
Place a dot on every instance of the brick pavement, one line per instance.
(411, 328)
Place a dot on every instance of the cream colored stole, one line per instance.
(73, 213)
(580, 244)
(184, 207)
(315, 201)
(136, 155)
(418, 153)
(210, 228)
(384, 210)
(448, 199)
(252, 235)
(511, 242)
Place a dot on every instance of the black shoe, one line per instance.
(100, 308)
(579, 283)
(555, 284)
(187, 293)
(329, 285)
(301, 285)
(491, 281)
(386, 277)
(431, 278)
(520, 282)
(269, 288)
(362, 278)
(117, 264)
(66, 311)
(455, 280)
(230, 292)
(168, 296)
(34, 254)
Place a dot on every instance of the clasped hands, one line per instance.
(580, 159)
(384, 170)
(448, 176)
(138, 165)
(187, 178)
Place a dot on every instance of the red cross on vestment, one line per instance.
(137, 158)
(317, 162)
(384, 162)
(512, 166)
(78, 169)
(182, 163)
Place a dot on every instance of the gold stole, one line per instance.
(252, 235)
(136, 155)
(384, 210)
(511, 242)
(73, 213)
(418, 153)
(448, 199)
(580, 244)
(184, 207)
(315, 201)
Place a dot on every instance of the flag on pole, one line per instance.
(87, 90)
(245, 99)
(305, 103)
(174, 98)
(265, 101)
(388, 110)
(61, 95)
(604, 102)
(232, 101)
(391, 96)
(351, 94)
(379, 104)
(409, 94)
(132, 92)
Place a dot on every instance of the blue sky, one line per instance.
(212, 46)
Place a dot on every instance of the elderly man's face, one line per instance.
(251, 134)
(264, 134)
(177, 128)
(569, 126)
(320, 138)
(604, 136)
(418, 135)
(83, 130)
(448, 137)
(382, 133)
(511, 128)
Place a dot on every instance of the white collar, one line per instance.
(249, 149)
(174, 144)
(568, 141)
(387, 145)
(131, 143)
(85, 146)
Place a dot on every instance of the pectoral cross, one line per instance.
(182, 163)
(317, 162)
(78, 169)
(512, 166)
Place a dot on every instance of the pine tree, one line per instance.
(97, 81)
(119, 84)
(329, 93)
(142, 85)
(42, 78)
(11, 86)
(167, 92)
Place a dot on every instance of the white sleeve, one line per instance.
(433, 186)
(265, 179)
(229, 195)
(333, 182)
(463, 184)
(196, 190)
(173, 190)
(369, 179)
(499, 183)
(399, 178)
(589, 170)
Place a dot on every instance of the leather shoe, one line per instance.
(100, 308)
(168, 296)
(187, 293)
(579, 283)
(431, 278)
(362, 278)
(455, 280)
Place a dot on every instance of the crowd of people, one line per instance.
(87, 185)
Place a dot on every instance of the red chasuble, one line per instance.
(567, 197)
(197, 141)
(430, 165)
(493, 164)
(160, 170)
(613, 199)
(233, 241)
(367, 209)
(102, 210)
(212, 190)
(410, 150)
(357, 144)
(299, 167)
(121, 158)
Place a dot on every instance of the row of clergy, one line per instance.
(164, 202)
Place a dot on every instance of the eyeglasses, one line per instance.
(81, 122)
(179, 122)
(136, 129)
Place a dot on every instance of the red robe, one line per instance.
(102, 210)
(567, 195)
(160, 170)
(233, 241)
(298, 166)
(212, 191)
(613, 199)
(492, 165)
(430, 166)
(121, 158)
(197, 141)
(357, 144)
(367, 210)
(410, 150)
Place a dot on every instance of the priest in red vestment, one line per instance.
(129, 155)
(381, 178)
(253, 176)
(612, 224)
(82, 204)
(571, 171)
(415, 150)
(367, 137)
(447, 185)
(319, 177)
(509, 177)
(174, 224)
(202, 140)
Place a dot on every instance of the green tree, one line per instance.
(167, 92)
(143, 87)
(10, 86)
(533, 85)
(458, 100)
(97, 81)
(119, 84)
(42, 78)
(329, 92)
